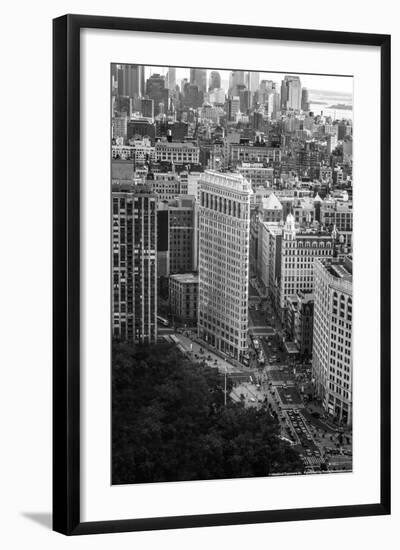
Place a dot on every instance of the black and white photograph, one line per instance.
(232, 238)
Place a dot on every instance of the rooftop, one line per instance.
(172, 144)
(271, 203)
(185, 278)
(230, 180)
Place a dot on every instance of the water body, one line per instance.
(322, 102)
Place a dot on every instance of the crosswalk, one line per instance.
(312, 461)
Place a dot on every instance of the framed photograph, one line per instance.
(221, 274)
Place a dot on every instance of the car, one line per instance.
(252, 400)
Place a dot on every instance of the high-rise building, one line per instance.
(291, 93)
(233, 107)
(130, 80)
(290, 252)
(305, 101)
(156, 90)
(224, 231)
(236, 79)
(198, 77)
(134, 267)
(177, 246)
(147, 108)
(215, 81)
(170, 81)
(244, 99)
(192, 96)
(253, 81)
(332, 343)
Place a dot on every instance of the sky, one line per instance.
(334, 84)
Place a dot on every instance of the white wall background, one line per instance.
(25, 385)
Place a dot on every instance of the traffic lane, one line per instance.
(252, 397)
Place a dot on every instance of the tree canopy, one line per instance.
(169, 423)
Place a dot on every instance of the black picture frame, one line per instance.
(66, 273)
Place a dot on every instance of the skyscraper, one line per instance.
(215, 80)
(291, 93)
(199, 78)
(134, 267)
(156, 90)
(236, 78)
(130, 80)
(305, 101)
(147, 107)
(224, 233)
(332, 343)
(170, 81)
(253, 81)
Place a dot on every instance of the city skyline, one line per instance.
(317, 83)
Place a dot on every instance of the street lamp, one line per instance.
(225, 388)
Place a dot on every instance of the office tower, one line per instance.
(130, 80)
(236, 78)
(305, 101)
(244, 99)
(170, 81)
(267, 86)
(177, 236)
(233, 107)
(332, 345)
(134, 267)
(192, 96)
(253, 81)
(291, 93)
(147, 108)
(198, 77)
(290, 253)
(156, 90)
(215, 81)
(224, 231)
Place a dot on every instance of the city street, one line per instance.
(278, 383)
